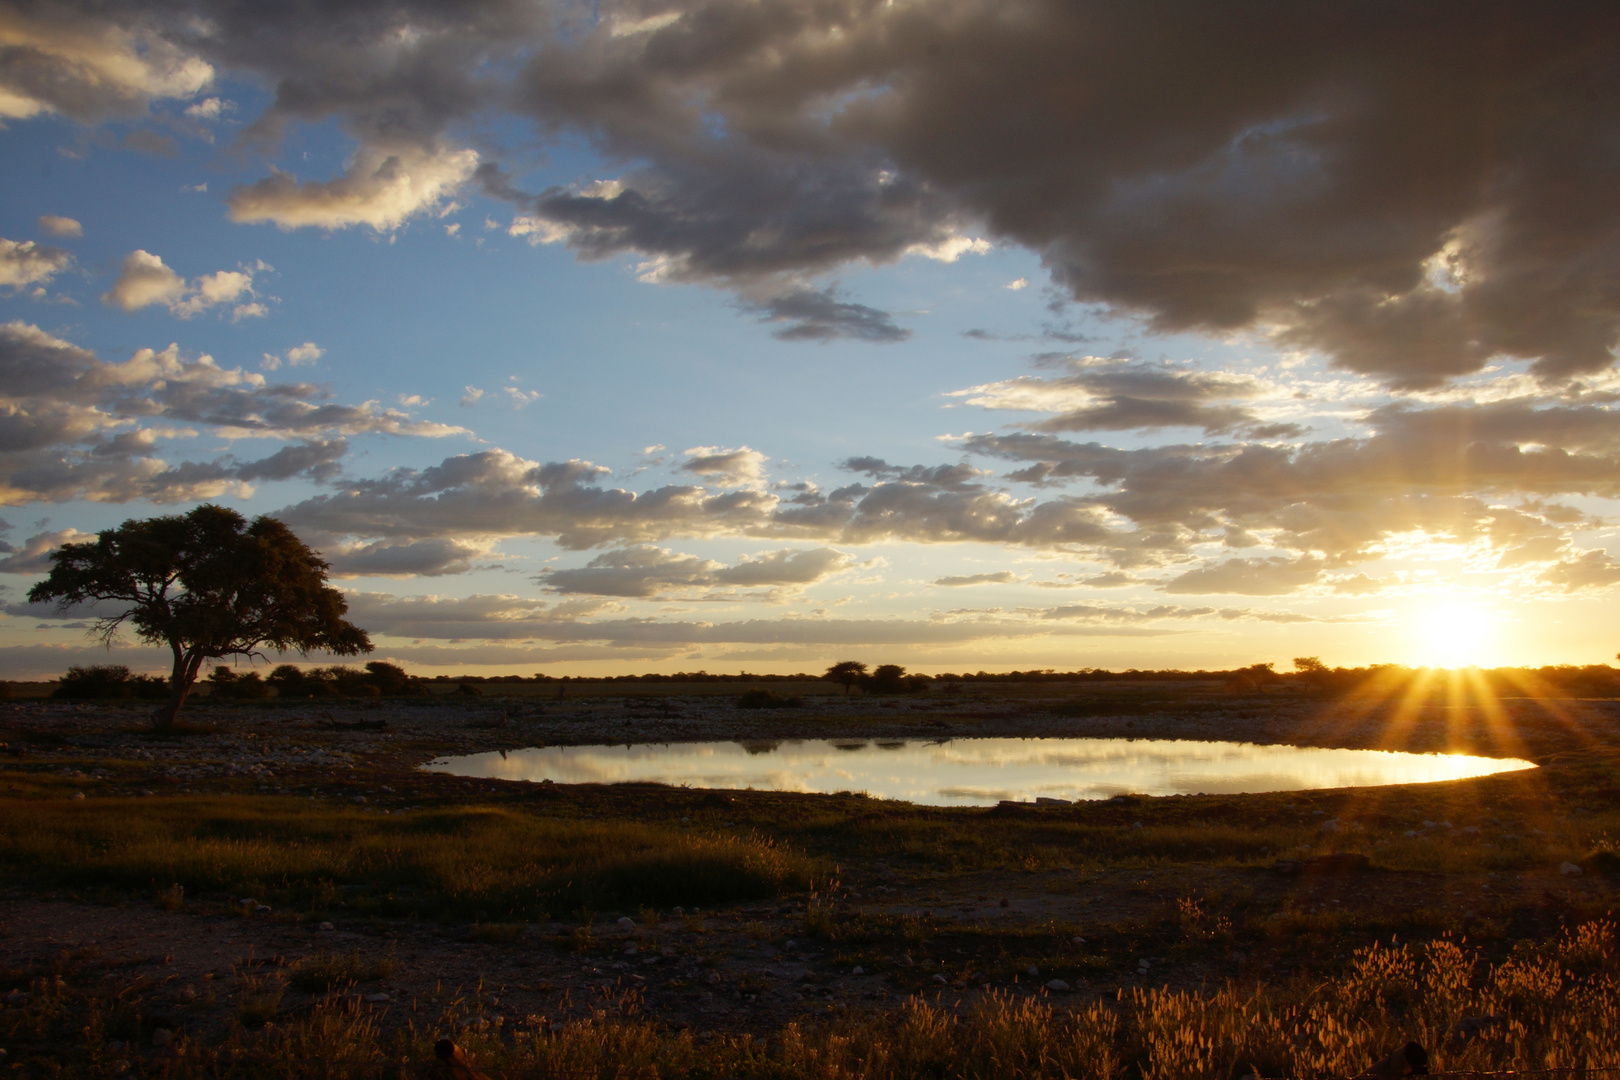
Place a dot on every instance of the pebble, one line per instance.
(942, 980)
(378, 999)
(78, 794)
(1569, 869)
(1059, 986)
(1331, 825)
(627, 924)
(325, 926)
(858, 970)
(1032, 971)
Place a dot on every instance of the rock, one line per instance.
(942, 980)
(1569, 869)
(378, 999)
(1032, 971)
(907, 961)
(678, 912)
(78, 794)
(359, 798)
(1409, 832)
(858, 970)
(631, 950)
(627, 924)
(261, 909)
(713, 978)
(186, 995)
(1077, 941)
(324, 926)
(162, 1037)
(1331, 825)
(1136, 824)
(1059, 986)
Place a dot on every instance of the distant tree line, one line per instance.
(382, 679)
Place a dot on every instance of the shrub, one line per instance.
(108, 682)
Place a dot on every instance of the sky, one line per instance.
(755, 335)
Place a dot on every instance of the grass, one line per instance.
(333, 971)
(1558, 1000)
(462, 862)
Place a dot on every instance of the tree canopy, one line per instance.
(208, 584)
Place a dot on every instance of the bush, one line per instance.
(892, 679)
(108, 682)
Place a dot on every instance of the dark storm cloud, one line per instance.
(1411, 188)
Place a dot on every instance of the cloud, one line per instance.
(741, 467)
(35, 555)
(382, 187)
(645, 571)
(1108, 395)
(27, 263)
(90, 69)
(1307, 202)
(1000, 577)
(305, 354)
(1249, 577)
(819, 315)
(432, 557)
(144, 280)
(63, 227)
(1594, 569)
(73, 426)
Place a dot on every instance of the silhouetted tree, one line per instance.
(847, 672)
(208, 584)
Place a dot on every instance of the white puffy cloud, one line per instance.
(144, 280)
(742, 467)
(383, 187)
(23, 262)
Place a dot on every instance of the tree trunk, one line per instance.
(181, 677)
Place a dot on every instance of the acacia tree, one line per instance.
(848, 672)
(208, 584)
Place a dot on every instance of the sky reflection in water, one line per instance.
(978, 772)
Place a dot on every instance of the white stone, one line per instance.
(1569, 869)
(858, 970)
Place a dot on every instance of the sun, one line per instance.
(1451, 633)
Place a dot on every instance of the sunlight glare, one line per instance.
(1451, 634)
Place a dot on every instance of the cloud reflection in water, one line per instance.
(979, 772)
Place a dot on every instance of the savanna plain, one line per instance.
(278, 888)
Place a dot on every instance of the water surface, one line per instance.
(978, 772)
